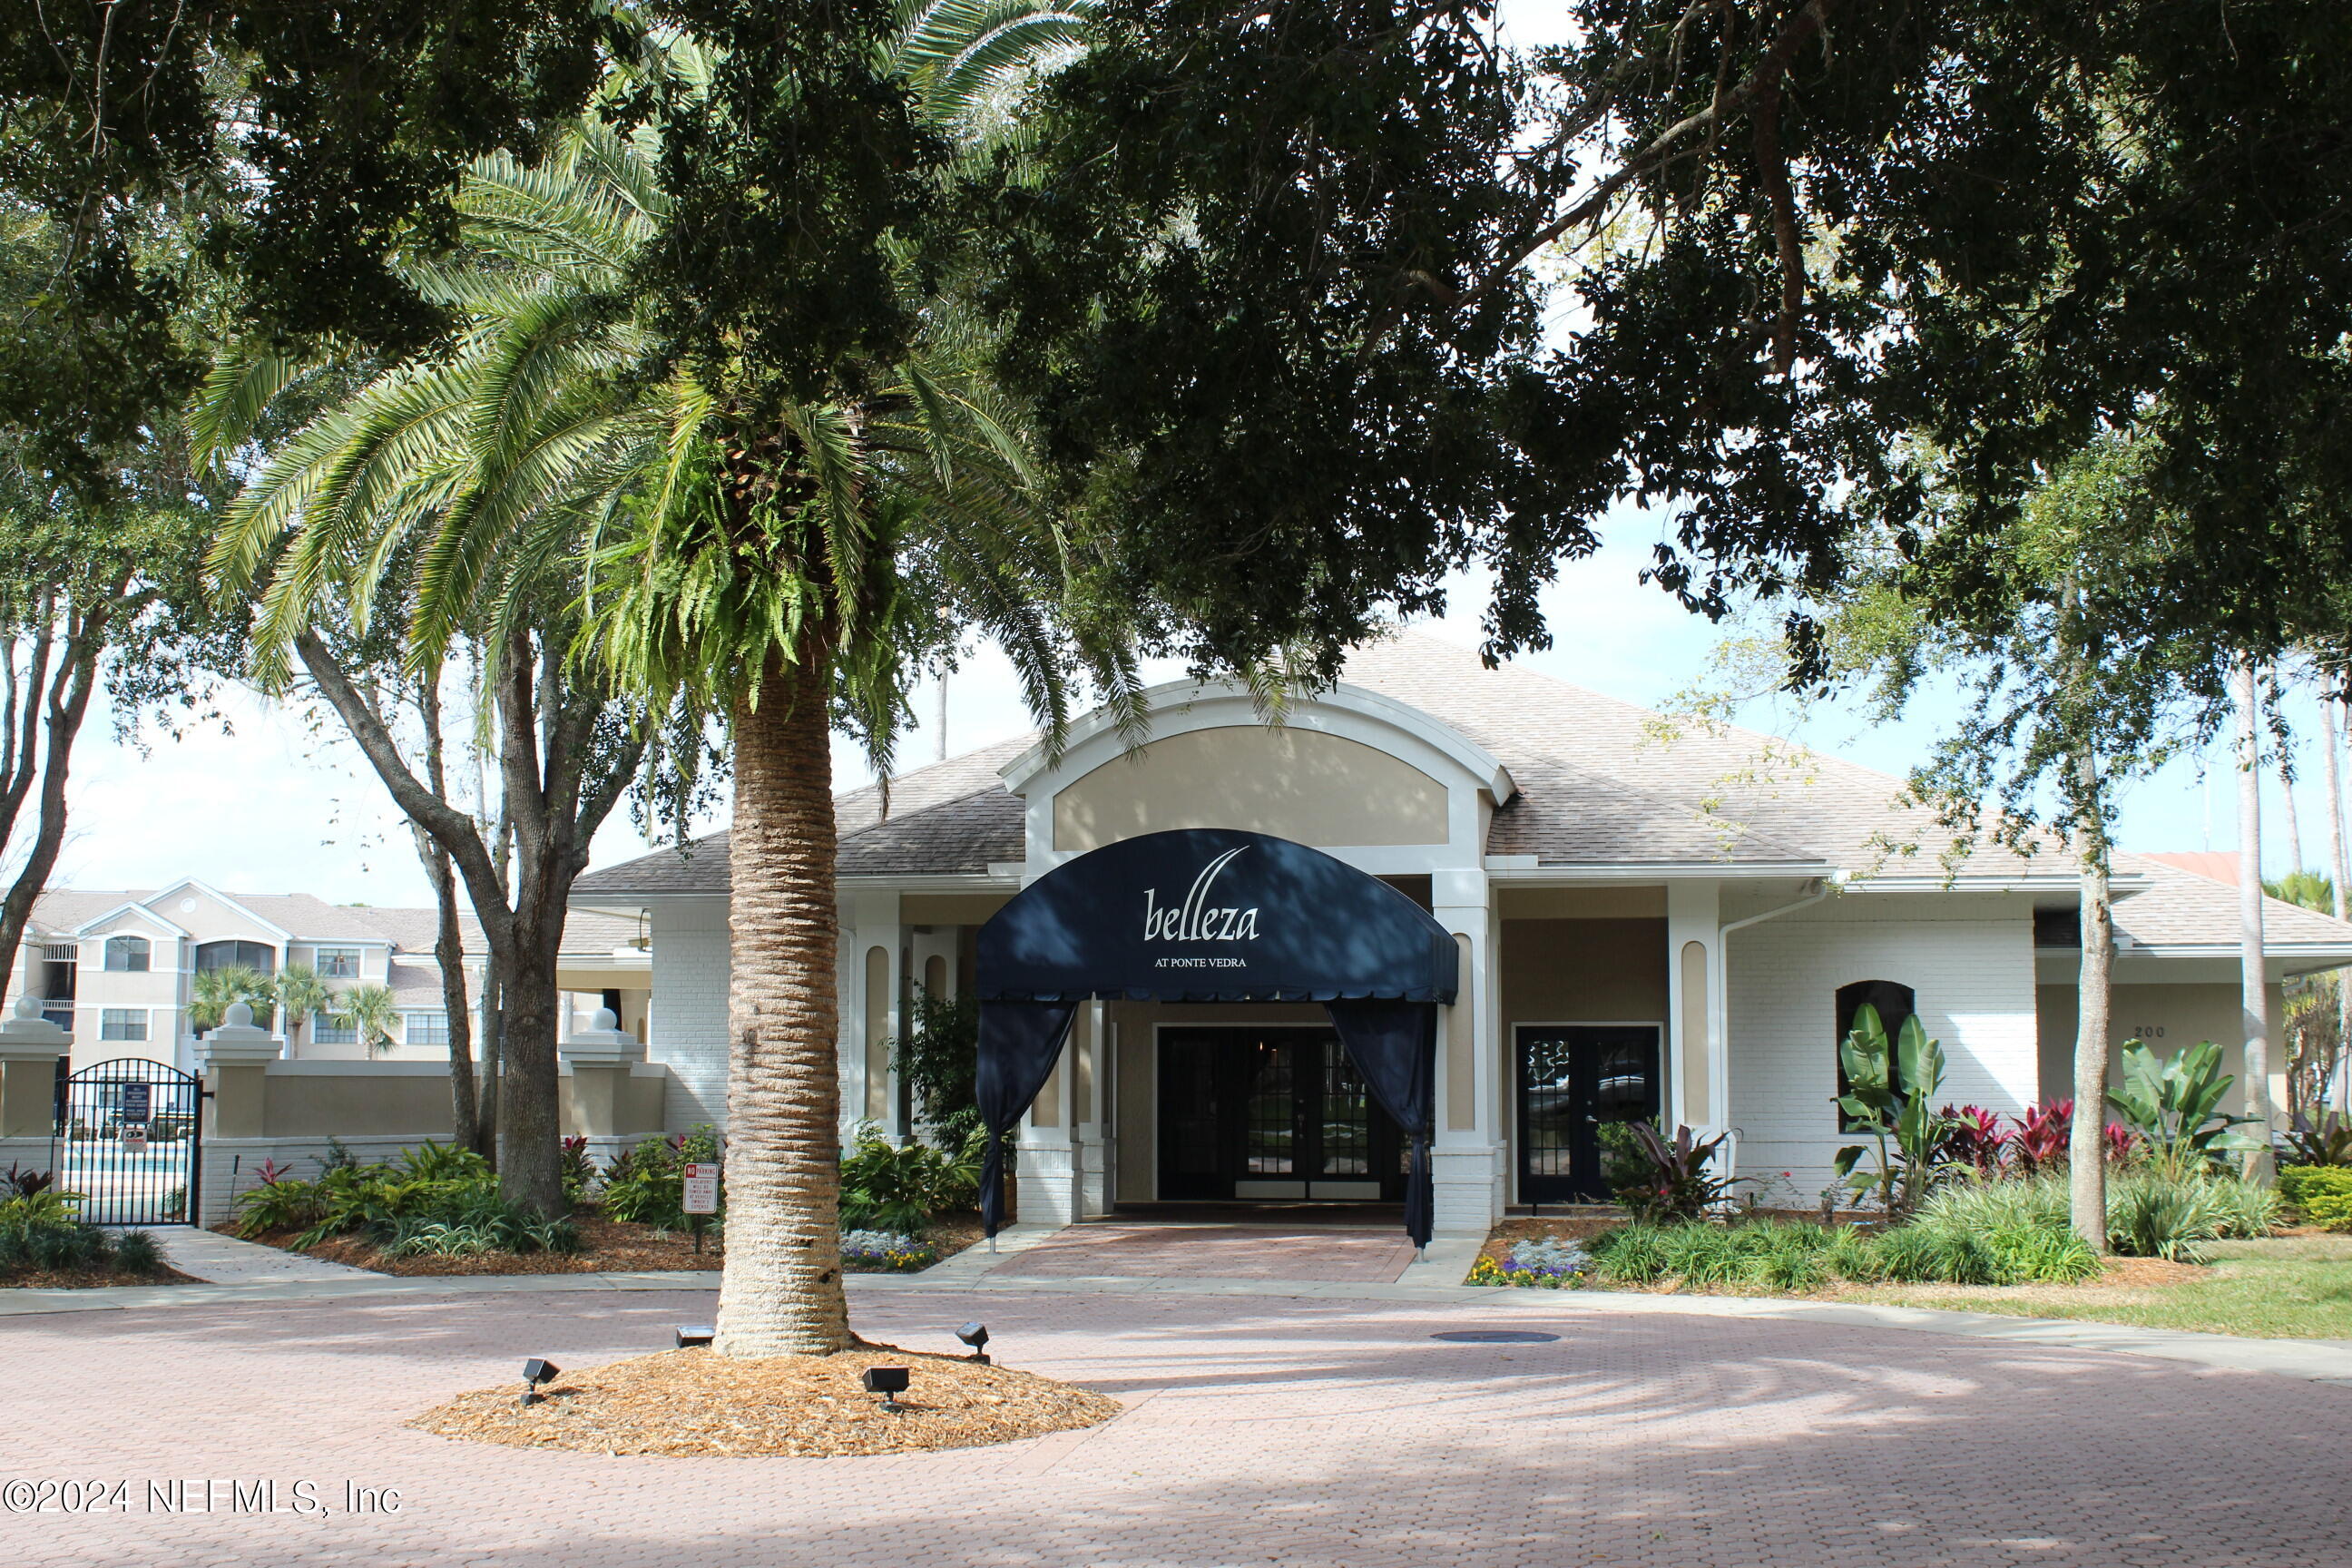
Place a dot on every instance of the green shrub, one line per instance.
(135, 1252)
(1631, 1254)
(2320, 1193)
(2029, 1202)
(646, 1184)
(887, 1188)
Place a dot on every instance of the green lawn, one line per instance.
(2291, 1288)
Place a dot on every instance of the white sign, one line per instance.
(702, 1188)
(134, 1137)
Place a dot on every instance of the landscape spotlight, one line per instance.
(691, 1334)
(890, 1382)
(534, 1373)
(976, 1336)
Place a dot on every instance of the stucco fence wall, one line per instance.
(375, 1108)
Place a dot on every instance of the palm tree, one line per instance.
(369, 1009)
(774, 566)
(215, 991)
(302, 994)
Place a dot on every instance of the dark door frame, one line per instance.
(1557, 1189)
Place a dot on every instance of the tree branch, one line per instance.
(1804, 24)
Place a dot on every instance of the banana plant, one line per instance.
(1890, 1096)
(2175, 1103)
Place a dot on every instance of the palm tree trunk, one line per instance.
(2253, 988)
(2087, 1150)
(782, 1291)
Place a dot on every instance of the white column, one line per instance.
(1047, 1163)
(1470, 1151)
(1697, 1064)
(871, 995)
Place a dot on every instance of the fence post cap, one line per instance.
(28, 1036)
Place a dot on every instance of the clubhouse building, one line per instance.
(1236, 964)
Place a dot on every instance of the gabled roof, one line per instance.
(302, 918)
(2186, 909)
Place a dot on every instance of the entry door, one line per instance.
(1573, 1078)
(1270, 1114)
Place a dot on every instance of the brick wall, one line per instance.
(689, 1034)
(1975, 992)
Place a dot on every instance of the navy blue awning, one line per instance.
(1212, 914)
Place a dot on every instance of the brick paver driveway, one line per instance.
(1152, 1250)
(1262, 1430)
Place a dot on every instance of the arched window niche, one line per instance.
(1895, 1003)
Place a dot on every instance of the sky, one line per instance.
(276, 804)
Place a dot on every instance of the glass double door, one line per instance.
(1573, 1077)
(1270, 1113)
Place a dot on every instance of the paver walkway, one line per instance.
(1260, 1429)
(220, 1259)
(1156, 1250)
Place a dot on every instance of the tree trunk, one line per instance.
(60, 705)
(448, 936)
(782, 1291)
(2087, 1150)
(2254, 991)
(531, 1173)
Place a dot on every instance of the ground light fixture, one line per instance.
(890, 1382)
(976, 1336)
(534, 1373)
(692, 1334)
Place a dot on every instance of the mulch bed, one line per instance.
(693, 1403)
(91, 1279)
(607, 1245)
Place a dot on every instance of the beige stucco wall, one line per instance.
(1300, 785)
(1583, 972)
(2166, 1017)
(365, 1100)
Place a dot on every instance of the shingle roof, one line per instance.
(1600, 782)
(308, 917)
(2185, 908)
(950, 818)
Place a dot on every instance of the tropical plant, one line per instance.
(1972, 1137)
(2322, 1139)
(2151, 1213)
(1890, 1094)
(2039, 1137)
(900, 1187)
(371, 1010)
(215, 991)
(302, 993)
(24, 1182)
(2175, 1104)
(1672, 1180)
(646, 1184)
(579, 1169)
(1779, 1255)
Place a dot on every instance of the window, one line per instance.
(1894, 1003)
(123, 1023)
(255, 955)
(61, 1014)
(127, 954)
(428, 1028)
(326, 1030)
(2058, 928)
(338, 963)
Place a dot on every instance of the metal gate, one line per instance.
(127, 1140)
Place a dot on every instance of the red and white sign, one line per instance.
(702, 1188)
